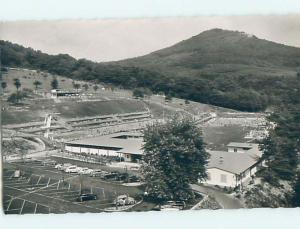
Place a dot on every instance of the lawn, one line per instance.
(217, 138)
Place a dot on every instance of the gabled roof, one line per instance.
(232, 162)
(122, 145)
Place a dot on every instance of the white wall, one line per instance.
(215, 178)
(75, 149)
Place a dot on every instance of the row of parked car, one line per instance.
(69, 168)
(109, 176)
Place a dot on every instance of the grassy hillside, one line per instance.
(37, 111)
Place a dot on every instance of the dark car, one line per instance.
(122, 177)
(134, 179)
(86, 197)
(111, 176)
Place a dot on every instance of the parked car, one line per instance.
(133, 179)
(48, 162)
(122, 177)
(58, 166)
(124, 200)
(103, 174)
(96, 173)
(85, 171)
(64, 166)
(134, 168)
(111, 176)
(72, 169)
(17, 174)
(86, 197)
(173, 205)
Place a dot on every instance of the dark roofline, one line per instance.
(93, 146)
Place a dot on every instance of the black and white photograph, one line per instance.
(153, 114)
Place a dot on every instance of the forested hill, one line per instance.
(223, 68)
(221, 52)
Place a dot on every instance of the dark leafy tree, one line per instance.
(76, 86)
(138, 93)
(17, 83)
(37, 83)
(95, 87)
(54, 83)
(296, 196)
(3, 85)
(15, 98)
(85, 86)
(168, 98)
(174, 158)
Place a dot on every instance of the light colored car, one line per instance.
(72, 169)
(85, 171)
(96, 173)
(58, 166)
(17, 174)
(124, 200)
(64, 166)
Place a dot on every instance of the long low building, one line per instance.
(126, 145)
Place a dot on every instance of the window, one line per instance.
(223, 178)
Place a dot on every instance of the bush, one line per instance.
(17, 97)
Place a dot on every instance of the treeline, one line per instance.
(242, 93)
(282, 147)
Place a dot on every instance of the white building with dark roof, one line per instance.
(126, 145)
(234, 167)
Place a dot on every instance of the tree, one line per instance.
(174, 157)
(54, 83)
(3, 85)
(37, 83)
(76, 86)
(85, 86)
(138, 93)
(95, 87)
(296, 197)
(168, 98)
(17, 97)
(141, 92)
(17, 83)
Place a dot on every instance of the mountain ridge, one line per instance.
(219, 47)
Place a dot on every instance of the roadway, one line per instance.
(225, 200)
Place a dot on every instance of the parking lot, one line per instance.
(43, 189)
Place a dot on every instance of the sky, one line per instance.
(115, 39)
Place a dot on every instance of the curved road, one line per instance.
(225, 200)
